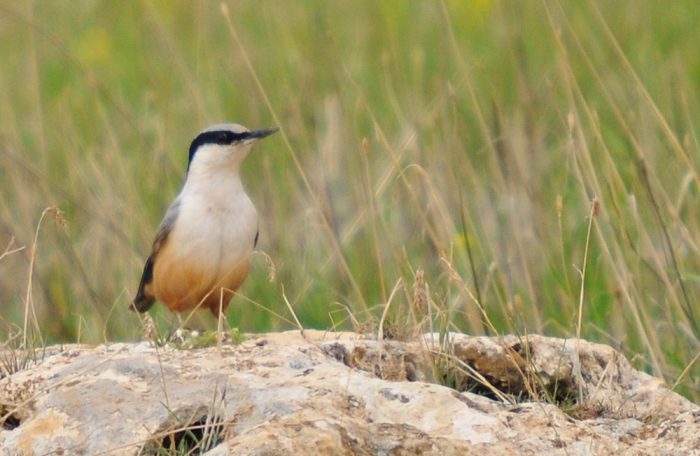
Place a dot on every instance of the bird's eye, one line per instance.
(222, 138)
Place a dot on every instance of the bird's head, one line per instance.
(223, 146)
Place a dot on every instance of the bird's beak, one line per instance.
(259, 134)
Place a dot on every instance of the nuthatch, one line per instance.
(201, 253)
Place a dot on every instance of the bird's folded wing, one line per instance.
(144, 296)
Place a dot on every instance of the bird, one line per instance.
(201, 252)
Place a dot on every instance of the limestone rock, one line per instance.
(342, 393)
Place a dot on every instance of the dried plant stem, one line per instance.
(9, 250)
(582, 271)
(28, 298)
(595, 206)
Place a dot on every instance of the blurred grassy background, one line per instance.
(489, 125)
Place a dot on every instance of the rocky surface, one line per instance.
(342, 393)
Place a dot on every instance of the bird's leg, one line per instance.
(177, 330)
(179, 319)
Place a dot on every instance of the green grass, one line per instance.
(490, 125)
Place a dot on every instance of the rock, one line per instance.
(342, 393)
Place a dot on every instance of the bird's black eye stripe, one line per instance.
(222, 137)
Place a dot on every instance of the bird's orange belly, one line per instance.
(185, 283)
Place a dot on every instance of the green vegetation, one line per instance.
(464, 163)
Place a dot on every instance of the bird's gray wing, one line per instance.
(144, 296)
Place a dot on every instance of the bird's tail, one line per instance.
(144, 298)
(142, 303)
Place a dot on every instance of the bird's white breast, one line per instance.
(216, 225)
